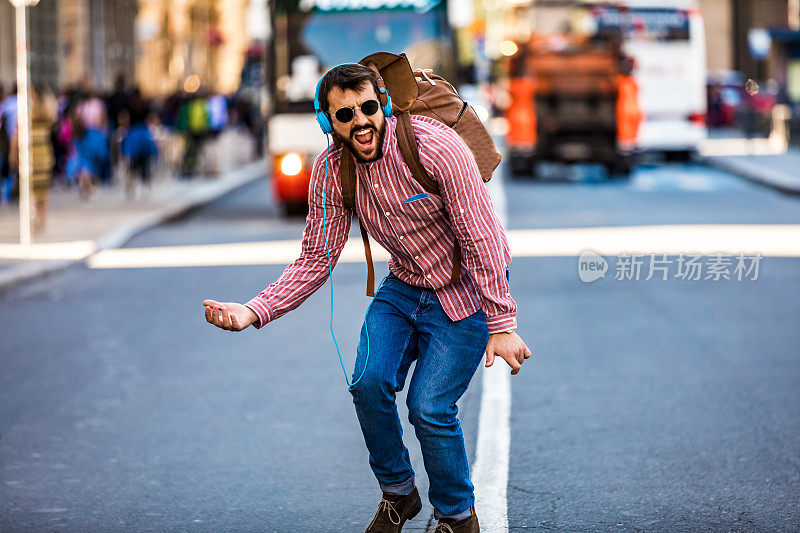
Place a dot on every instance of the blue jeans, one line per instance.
(406, 324)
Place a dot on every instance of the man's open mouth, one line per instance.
(364, 137)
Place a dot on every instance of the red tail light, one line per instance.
(698, 119)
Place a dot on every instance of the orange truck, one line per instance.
(572, 100)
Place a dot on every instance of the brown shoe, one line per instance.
(394, 510)
(465, 525)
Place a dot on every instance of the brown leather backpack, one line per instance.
(419, 92)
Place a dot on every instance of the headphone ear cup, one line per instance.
(324, 123)
(387, 109)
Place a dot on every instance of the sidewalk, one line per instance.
(764, 161)
(77, 228)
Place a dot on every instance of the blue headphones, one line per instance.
(322, 117)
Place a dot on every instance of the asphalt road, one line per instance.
(649, 405)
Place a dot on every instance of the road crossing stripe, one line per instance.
(770, 240)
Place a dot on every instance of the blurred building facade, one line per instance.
(72, 41)
(43, 46)
(728, 25)
(776, 23)
(184, 43)
(97, 40)
(168, 45)
(158, 43)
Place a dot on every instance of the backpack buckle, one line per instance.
(424, 72)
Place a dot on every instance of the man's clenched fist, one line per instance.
(508, 346)
(230, 316)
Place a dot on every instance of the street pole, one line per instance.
(23, 128)
(794, 14)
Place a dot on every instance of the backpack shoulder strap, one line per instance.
(407, 142)
(368, 254)
(347, 177)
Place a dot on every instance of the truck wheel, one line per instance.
(294, 209)
(520, 166)
(679, 156)
(618, 170)
(533, 171)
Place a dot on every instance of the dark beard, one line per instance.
(351, 144)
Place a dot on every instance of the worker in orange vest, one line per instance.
(521, 114)
(629, 113)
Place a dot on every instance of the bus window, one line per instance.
(308, 42)
(643, 24)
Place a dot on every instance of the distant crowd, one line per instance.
(80, 136)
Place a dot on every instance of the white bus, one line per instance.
(667, 43)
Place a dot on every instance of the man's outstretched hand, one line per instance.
(510, 347)
(230, 316)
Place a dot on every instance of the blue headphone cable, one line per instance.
(330, 275)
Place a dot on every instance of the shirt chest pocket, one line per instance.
(426, 209)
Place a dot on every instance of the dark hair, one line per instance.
(349, 76)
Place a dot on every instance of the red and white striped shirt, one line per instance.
(418, 234)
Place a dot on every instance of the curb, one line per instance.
(756, 174)
(119, 236)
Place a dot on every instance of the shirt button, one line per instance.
(462, 209)
(429, 275)
(376, 185)
(387, 213)
(416, 257)
(401, 237)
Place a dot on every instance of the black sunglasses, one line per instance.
(346, 114)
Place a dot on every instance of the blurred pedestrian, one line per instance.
(247, 113)
(715, 117)
(8, 126)
(117, 104)
(118, 119)
(138, 146)
(5, 148)
(194, 122)
(43, 111)
(171, 110)
(217, 114)
(63, 143)
(8, 110)
(628, 112)
(88, 158)
(91, 112)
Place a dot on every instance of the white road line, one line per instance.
(770, 240)
(490, 471)
(47, 251)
